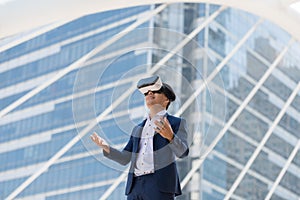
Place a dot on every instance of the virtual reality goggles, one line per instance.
(154, 83)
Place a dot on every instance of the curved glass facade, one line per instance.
(240, 71)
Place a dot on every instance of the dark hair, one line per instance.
(169, 92)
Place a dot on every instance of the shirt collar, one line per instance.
(158, 115)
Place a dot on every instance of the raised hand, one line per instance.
(100, 142)
(164, 128)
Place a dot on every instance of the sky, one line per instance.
(20, 7)
(295, 6)
(4, 1)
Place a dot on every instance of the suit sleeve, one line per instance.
(123, 157)
(179, 143)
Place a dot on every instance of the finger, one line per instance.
(96, 138)
(160, 128)
(157, 129)
(161, 121)
(100, 140)
(157, 122)
(95, 134)
(166, 121)
(92, 137)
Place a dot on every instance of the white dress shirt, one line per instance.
(145, 161)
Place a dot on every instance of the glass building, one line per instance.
(236, 77)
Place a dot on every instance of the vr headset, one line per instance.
(152, 83)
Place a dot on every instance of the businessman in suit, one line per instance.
(153, 146)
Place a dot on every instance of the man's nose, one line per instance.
(147, 93)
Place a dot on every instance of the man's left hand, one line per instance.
(164, 128)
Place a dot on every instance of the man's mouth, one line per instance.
(150, 97)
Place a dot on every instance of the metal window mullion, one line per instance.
(252, 142)
(291, 157)
(190, 37)
(119, 180)
(155, 68)
(240, 165)
(34, 34)
(99, 117)
(251, 110)
(218, 68)
(219, 189)
(80, 61)
(197, 92)
(270, 131)
(282, 172)
(255, 113)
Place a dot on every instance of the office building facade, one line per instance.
(235, 69)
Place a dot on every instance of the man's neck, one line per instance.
(154, 110)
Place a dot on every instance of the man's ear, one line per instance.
(167, 101)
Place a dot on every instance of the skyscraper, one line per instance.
(237, 70)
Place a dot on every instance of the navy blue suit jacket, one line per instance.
(165, 154)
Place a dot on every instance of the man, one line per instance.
(153, 146)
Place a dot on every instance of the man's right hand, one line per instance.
(100, 142)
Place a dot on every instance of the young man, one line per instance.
(153, 146)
